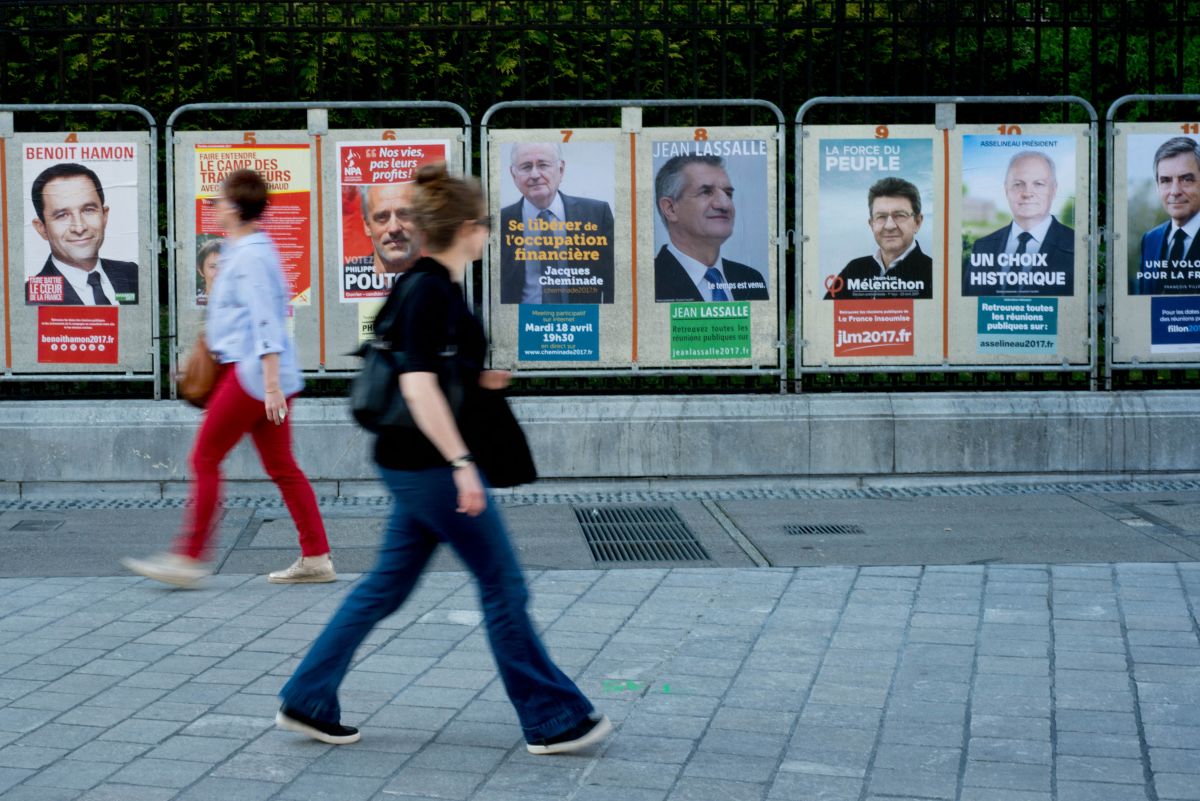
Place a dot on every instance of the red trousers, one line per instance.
(230, 414)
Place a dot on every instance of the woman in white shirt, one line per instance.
(246, 331)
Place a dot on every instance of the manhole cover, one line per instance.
(638, 534)
(822, 528)
(36, 525)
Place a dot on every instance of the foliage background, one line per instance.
(161, 55)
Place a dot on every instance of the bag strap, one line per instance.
(384, 325)
(406, 284)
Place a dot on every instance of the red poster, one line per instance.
(77, 335)
(873, 327)
(370, 176)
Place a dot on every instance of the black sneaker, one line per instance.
(583, 735)
(332, 733)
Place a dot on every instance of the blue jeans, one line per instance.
(423, 514)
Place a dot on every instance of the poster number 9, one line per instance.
(881, 132)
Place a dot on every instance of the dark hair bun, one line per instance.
(432, 173)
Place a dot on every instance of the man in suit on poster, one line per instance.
(898, 268)
(1034, 243)
(68, 201)
(694, 197)
(536, 273)
(1177, 178)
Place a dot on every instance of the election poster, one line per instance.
(1162, 215)
(875, 218)
(1175, 325)
(376, 239)
(873, 327)
(711, 239)
(288, 218)
(710, 331)
(77, 334)
(1018, 215)
(872, 285)
(556, 226)
(1017, 325)
(81, 233)
(208, 256)
(559, 332)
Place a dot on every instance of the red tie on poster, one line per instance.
(77, 334)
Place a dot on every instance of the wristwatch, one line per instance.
(462, 461)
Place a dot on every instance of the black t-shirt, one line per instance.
(421, 330)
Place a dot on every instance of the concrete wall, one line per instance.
(141, 447)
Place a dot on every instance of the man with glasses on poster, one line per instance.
(554, 247)
(898, 268)
(1035, 253)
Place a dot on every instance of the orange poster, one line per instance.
(288, 172)
(873, 327)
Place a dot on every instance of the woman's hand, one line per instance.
(471, 498)
(494, 379)
(275, 406)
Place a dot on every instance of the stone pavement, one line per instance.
(982, 683)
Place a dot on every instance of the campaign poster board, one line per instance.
(286, 159)
(81, 261)
(1155, 284)
(380, 164)
(1020, 218)
(559, 288)
(707, 247)
(872, 278)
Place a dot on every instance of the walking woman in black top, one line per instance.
(439, 496)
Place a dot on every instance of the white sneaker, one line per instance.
(306, 570)
(170, 568)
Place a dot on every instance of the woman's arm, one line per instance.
(274, 403)
(431, 412)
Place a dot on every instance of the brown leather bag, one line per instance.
(198, 374)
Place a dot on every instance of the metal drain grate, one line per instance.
(638, 534)
(822, 528)
(36, 525)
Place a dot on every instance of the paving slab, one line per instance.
(1063, 666)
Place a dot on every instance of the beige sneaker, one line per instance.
(170, 568)
(306, 570)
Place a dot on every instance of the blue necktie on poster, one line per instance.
(715, 280)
